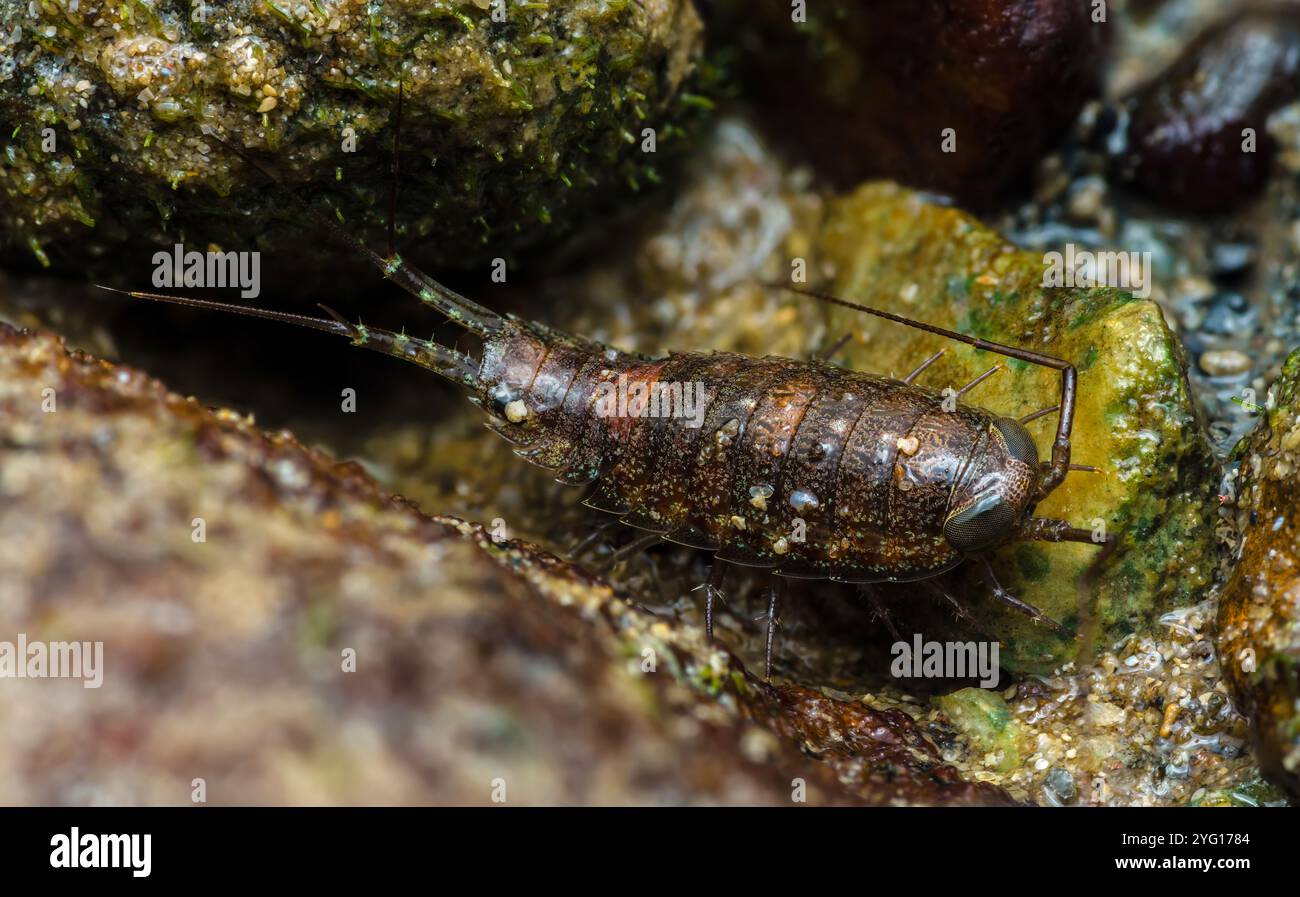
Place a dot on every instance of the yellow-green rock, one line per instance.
(1157, 488)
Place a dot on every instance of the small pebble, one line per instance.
(1224, 362)
(1087, 201)
(1232, 258)
(1061, 782)
(1228, 313)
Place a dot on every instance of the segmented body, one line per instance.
(803, 467)
(799, 467)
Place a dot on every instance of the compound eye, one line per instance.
(1020, 445)
(980, 526)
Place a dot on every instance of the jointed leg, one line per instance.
(958, 608)
(878, 607)
(1047, 529)
(1012, 601)
(775, 590)
(712, 590)
(835, 347)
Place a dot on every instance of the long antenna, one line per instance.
(335, 327)
(463, 311)
(446, 362)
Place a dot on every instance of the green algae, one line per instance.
(985, 719)
(513, 131)
(1256, 793)
(1135, 420)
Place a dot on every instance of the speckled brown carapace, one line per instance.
(801, 467)
(798, 467)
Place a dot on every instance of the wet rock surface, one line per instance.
(960, 97)
(1259, 614)
(1198, 137)
(480, 667)
(1147, 723)
(1099, 728)
(1135, 419)
(514, 131)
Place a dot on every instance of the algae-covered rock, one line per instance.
(1259, 612)
(962, 96)
(986, 721)
(519, 120)
(1149, 723)
(275, 629)
(1256, 793)
(887, 247)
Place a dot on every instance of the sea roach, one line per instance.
(884, 480)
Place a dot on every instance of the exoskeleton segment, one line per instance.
(797, 467)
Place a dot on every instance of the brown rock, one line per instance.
(1188, 141)
(871, 89)
(231, 575)
(1259, 613)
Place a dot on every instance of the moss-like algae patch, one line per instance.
(1135, 420)
(515, 127)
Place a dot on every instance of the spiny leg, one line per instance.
(1047, 529)
(712, 590)
(958, 608)
(878, 608)
(1005, 597)
(776, 589)
(910, 378)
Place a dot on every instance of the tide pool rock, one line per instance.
(1135, 418)
(1259, 612)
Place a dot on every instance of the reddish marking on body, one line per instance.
(621, 423)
